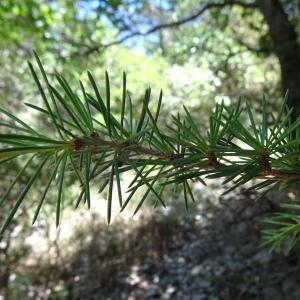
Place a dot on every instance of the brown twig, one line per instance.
(95, 142)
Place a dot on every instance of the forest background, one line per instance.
(198, 52)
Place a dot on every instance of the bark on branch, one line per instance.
(206, 7)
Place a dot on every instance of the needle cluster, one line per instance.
(94, 144)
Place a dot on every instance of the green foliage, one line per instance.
(93, 143)
(286, 227)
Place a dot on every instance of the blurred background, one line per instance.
(199, 53)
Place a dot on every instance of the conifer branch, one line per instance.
(236, 147)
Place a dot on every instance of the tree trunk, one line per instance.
(286, 47)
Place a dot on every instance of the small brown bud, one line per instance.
(94, 135)
(78, 144)
(264, 160)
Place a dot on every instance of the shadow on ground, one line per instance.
(213, 252)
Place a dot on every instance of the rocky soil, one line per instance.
(218, 256)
